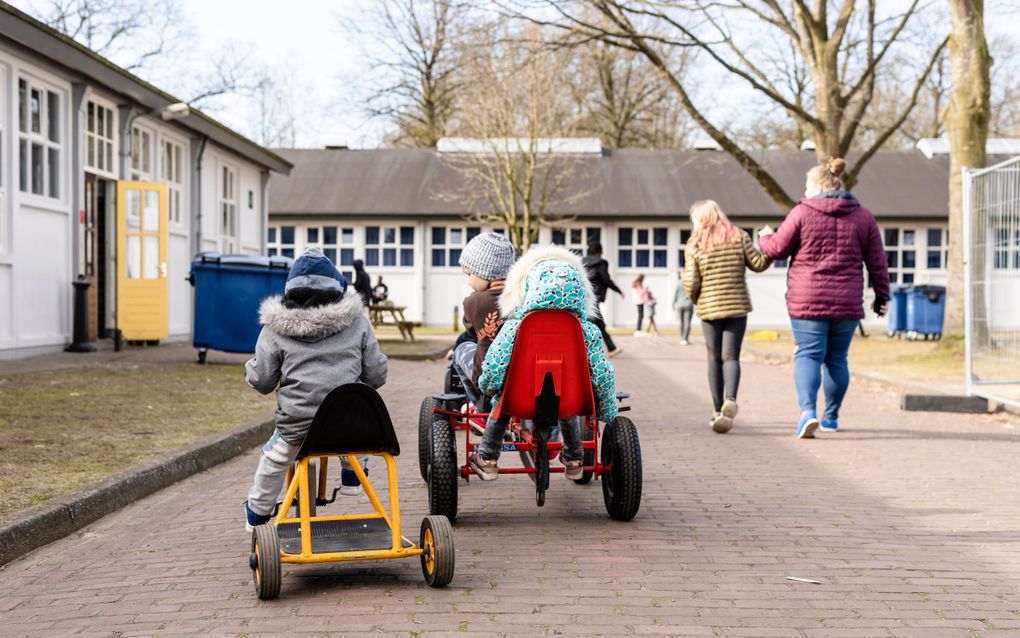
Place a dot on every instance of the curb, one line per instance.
(423, 356)
(37, 526)
(772, 358)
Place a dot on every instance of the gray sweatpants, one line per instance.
(492, 439)
(277, 457)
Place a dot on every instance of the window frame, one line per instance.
(941, 249)
(339, 246)
(398, 245)
(649, 245)
(578, 247)
(177, 189)
(49, 148)
(138, 173)
(95, 140)
(226, 179)
(898, 274)
(448, 248)
(1005, 253)
(275, 245)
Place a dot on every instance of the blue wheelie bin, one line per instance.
(228, 291)
(898, 310)
(926, 310)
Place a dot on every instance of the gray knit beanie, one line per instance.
(488, 256)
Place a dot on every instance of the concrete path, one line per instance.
(910, 521)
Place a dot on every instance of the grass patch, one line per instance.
(64, 430)
(911, 360)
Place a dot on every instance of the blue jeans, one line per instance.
(822, 342)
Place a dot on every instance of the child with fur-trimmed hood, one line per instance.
(546, 278)
(314, 339)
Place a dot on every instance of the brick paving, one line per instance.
(910, 521)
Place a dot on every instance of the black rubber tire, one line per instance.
(443, 471)
(589, 459)
(201, 356)
(425, 418)
(621, 486)
(448, 381)
(441, 572)
(267, 571)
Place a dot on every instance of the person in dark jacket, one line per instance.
(601, 283)
(828, 235)
(362, 282)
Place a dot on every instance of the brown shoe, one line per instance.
(486, 469)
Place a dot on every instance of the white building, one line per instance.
(99, 179)
(384, 206)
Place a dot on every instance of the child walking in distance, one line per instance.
(683, 305)
(653, 330)
(545, 278)
(485, 260)
(639, 297)
(313, 339)
(718, 256)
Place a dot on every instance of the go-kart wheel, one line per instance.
(267, 572)
(621, 486)
(425, 418)
(589, 458)
(443, 471)
(437, 561)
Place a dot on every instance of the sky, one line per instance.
(309, 46)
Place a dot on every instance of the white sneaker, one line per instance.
(685, 342)
(573, 470)
(640, 333)
(352, 490)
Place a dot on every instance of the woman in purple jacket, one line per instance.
(827, 236)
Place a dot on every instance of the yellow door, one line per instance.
(141, 260)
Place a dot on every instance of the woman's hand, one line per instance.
(766, 231)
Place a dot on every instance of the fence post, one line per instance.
(968, 370)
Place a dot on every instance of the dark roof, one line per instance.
(45, 41)
(629, 182)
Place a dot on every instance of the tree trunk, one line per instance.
(966, 123)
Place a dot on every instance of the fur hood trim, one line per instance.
(310, 324)
(515, 289)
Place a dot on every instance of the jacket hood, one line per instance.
(548, 278)
(310, 324)
(835, 203)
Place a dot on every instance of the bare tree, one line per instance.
(624, 102)
(416, 69)
(841, 54)
(133, 33)
(967, 120)
(513, 177)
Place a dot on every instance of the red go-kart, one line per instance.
(548, 380)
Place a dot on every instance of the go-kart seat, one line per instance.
(548, 377)
(352, 419)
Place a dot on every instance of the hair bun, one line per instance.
(836, 166)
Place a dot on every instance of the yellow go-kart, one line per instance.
(352, 421)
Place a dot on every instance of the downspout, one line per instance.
(197, 153)
(79, 93)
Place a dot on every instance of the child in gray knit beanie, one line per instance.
(486, 260)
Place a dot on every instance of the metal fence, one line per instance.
(991, 240)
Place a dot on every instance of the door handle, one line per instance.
(162, 270)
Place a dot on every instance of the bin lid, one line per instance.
(927, 288)
(244, 261)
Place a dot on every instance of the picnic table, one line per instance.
(377, 312)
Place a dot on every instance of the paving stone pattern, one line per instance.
(910, 521)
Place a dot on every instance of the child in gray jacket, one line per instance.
(313, 339)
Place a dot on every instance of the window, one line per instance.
(100, 139)
(389, 246)
(39, 137)
(280, 240)
(228, 209)
(141, 155)
(938, 248)
(901, 251)
(641, 247)
(448, 242)
(685, 236)
(334, 241)
(171, 171)
(1006, 242)
(577, 239)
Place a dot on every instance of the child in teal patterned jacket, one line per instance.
(546, 278)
